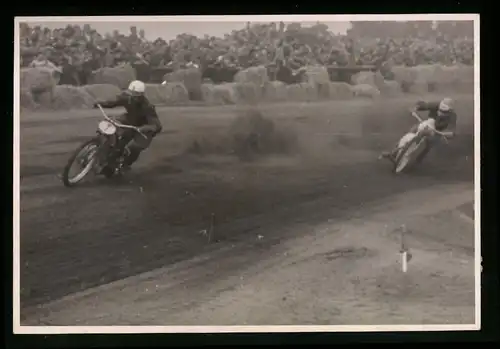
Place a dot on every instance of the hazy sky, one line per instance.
(169, 30)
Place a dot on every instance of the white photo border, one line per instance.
(18, 329)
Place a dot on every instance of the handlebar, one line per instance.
(416, 116)
(118, 124)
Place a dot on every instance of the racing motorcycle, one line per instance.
(414, 146)
(100, 155)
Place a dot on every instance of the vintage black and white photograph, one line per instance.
(246, 173)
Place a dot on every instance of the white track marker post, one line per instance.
(211, 229)
(404, 250)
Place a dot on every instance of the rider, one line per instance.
(140, 113)
(444, 115)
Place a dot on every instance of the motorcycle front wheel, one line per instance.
(407, 157)
(85, 157)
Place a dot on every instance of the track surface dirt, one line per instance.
(339, 273)
(74, 239)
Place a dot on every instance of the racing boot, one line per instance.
(391, 155)
(130, 159)
(119, 166)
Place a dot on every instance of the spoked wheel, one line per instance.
(407, 156)
(83, 159)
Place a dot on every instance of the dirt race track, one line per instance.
(319, 165)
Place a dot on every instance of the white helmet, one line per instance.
(136, 87)
(446, 105)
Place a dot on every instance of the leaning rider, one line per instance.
(140, 113)
(444, 115)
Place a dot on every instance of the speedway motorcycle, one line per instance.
(100, 155)
(414, 146)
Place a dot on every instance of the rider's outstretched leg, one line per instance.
(391, 154)
(136, 147)
(132, 157)
(120, 147)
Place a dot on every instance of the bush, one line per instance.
(316, 75)
(191, 78)
(368, 78)
(390, 88)
(166, 94)
(219, 94)
(275, 91)
(26, 100)
(365, 90)
(66, 97)
(37, 80)
(430, 78)
(102, 92)
(303, 92)
(120, 76)
(248, 93)
(39, 90)
(340, 91)
(254, 75)
(459, 78)
(232, 93)
(219, 75)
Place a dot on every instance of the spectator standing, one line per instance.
(277, 46)
(41, 61)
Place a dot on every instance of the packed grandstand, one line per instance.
(274, 61)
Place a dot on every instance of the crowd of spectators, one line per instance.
(76, 51)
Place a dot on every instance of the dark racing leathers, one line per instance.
(140, 113)
(443, 121)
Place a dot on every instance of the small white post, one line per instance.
(404, 262)
(404, 250)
